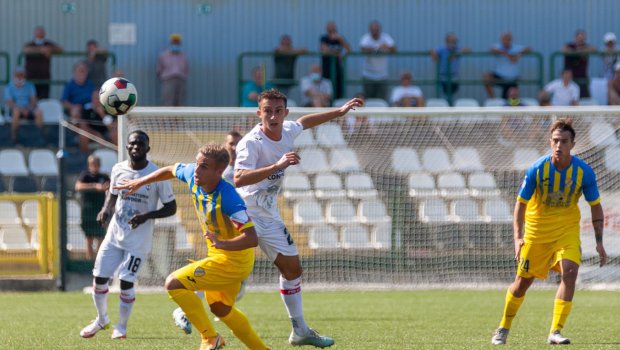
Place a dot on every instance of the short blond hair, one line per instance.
(215, 151)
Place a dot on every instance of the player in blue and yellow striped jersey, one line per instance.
(231, 238)
(546, 228)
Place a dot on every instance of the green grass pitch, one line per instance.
(435, 319)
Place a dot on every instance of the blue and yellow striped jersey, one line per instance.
(551, 196)
(217, 212)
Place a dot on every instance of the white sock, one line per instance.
(128, 296)
(290, 291)
(100, 297)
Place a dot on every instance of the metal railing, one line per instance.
(554, 56)
(7, 67)
(20, 59)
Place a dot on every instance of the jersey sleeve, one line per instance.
(114, 180)
(183, 171)
(295, 128)
(234, 207)
(528, 186)
(590, 188)
(247, 155)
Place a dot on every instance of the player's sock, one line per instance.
(128, 296)
(561, 310)
(195, 312)
(241, 328)
(290, 291)
(511, 307)
(100, 297)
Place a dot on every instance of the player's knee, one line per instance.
(101, 280)
(126, 285)
(220, 309)
(173, 283)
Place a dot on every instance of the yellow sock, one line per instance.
(511, 307)
(195, 312)
(561, 310)
(241, 328)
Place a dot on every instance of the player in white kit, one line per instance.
(262, 156)
(128, 239)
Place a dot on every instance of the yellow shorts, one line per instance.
(216, 278)
(537, 259)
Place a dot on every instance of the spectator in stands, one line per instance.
(252, 88)
(172, 71)
(610, 55)
(375, 70)
(285, 56)
(406, 94)
(544, 100)
(514, 97)
(38, 53)
(96, 59)
(316, 91)
(613, 87)
(334, 46)
(506, 73)
(564, 91)
(576, 60)
(81, 101)
(447, 57)
(92, 185)
(21, 100)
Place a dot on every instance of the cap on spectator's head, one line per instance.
(617, 66)
(175, 38)
(609, 37)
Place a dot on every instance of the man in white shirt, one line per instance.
(263, 155)
(375, 69)
(316, 90)
(128, 239)
(564, 91)
(405, 94)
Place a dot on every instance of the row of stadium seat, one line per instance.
(309, 211)
(327, 186)
(315, 160)
(462, 102)
(452, 185)
(437, 210)
(354, 236)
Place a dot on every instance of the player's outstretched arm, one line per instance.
(247, 239)
(312, 120)
(598, 222)
(161, 174)
(245, 177)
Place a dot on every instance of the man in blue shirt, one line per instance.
(20, 97)
(447, 57)
(506, 71)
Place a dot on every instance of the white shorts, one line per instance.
(274, 238)
(110, 257)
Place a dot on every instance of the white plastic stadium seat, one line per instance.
(422, 185)
(494, 102)
(529, 101)
(308, 211)
(436, 160)
(344, 160)
(524, 157)
(327, 186)
(465, 210)
(13, 163)
(323, 237)
(467, 159)
(52, 110)
(330, 135)
(466, 102)
(340, 211)
(14, 237)
(8, 213)
(381, 235)
(360, 186)
(313, 161)
(497, 211)
(296, 186)
(588, 101)
(603, 134)
(74, 212)
(405, 160)
(305, 139)
(30, 212)
(372, 211)
(42, 162)
(433, 210)
(108, 159)
(612, 158)
(452, 185)
(437, 102)
(483, 185)
(76, 240)
(355, 236)
(376, 102)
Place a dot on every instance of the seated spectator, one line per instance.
(564, 91)
(254, 87)
(513, 99)
(544, 100)
(96, 60)
(20, 98)
(613, 87)
(407, 95)
(610, 55)
(81, 100)
(284, 62)
(316, 90)
(506, 73)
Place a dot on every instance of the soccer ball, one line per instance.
(118, 96)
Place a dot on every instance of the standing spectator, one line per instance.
(447, 57)
(407, 95)
(284, 60)
(316, 91)
(375, 70)
(21, 99)
(92, 185)
(578, 64)
(610, 55)
(506, 71)
(334, 46)
(613, 87)
(172, 71)
(96, 59)
(252, 88)
(38, 53)
(564, 92)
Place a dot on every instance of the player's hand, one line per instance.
(602, 255)
(288, 159)
(351, 105)
(518, 244)
(137, 220)
(131, 186)
(102, 218)
(215, 243)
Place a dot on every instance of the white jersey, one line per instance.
(255, 151)
(229, 173)
(144, 200)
